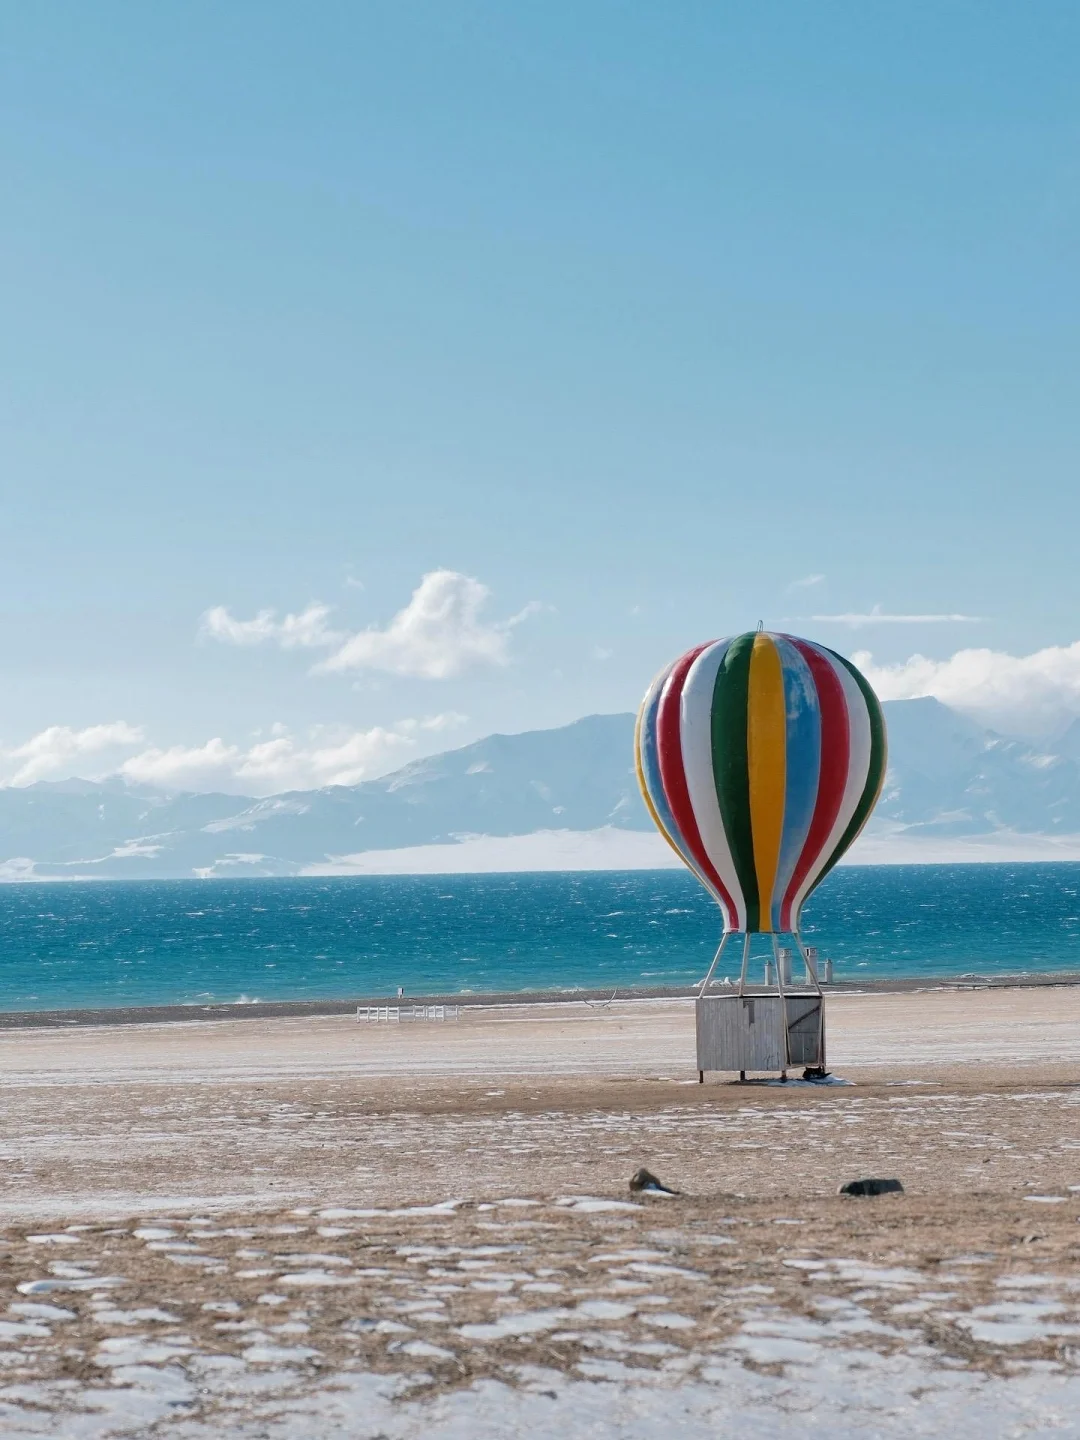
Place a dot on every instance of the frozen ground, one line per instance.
(307, 1228)
(577, 1315)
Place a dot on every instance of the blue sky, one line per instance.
(636, 315)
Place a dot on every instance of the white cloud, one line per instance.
(806, 583)
(270, 766)
(857, 619)
(1030, 694)
(438, 635)
(329, 755)
(184, 767)
(433, 723)
(54, 751)
(307, 630)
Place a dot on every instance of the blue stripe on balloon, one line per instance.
(650, 768)
(802, 765)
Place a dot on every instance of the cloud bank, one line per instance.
(59, 748)
(856, 620)
(1033, 694)
(440, 634)
(308, 630)
(328, 755)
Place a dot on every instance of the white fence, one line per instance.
(395, 1014)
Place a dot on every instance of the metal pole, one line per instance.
(776, 958)
(783, 1001)
(745, 963)
(821, 1008)
(716, 961)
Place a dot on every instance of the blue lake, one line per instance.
(184, 942)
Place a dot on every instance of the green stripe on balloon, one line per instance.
(731, 766)
(875, 773)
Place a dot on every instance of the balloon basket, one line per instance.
(772, 1028)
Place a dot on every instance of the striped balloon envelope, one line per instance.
(760, 759)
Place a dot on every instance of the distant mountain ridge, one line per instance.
(947, 777)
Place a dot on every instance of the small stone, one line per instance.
(872, 1187)
(645, 1180)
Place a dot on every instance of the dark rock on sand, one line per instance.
(872, 1187)
(644, 1180)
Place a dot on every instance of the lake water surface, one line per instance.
(182, 942)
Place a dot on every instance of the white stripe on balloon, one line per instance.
(695, 729)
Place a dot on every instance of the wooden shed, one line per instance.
(760, 1032)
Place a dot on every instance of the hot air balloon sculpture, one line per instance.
(760, 758)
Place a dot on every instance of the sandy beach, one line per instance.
(308, 1226)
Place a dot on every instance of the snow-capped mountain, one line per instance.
(563, 798)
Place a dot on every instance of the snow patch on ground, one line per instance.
(846, 1395)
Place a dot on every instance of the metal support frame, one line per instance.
(715, 962)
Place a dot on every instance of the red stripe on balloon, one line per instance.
(835, 758)
(673, 775)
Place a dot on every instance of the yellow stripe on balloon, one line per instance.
(766, 744)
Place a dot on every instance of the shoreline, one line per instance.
(182, 1013)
